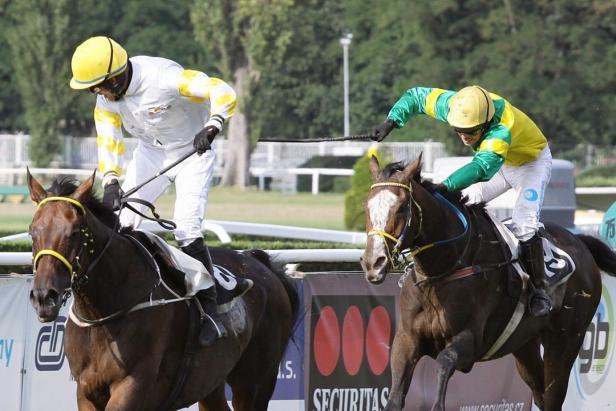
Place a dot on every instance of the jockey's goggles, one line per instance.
(474, 131)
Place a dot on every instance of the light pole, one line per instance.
(345, 40)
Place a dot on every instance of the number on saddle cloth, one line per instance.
(558, 264)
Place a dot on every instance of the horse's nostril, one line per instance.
(380, 262)
(52, 296)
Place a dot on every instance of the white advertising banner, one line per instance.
(13, 305)
(593, 378)
(34, 372)
(47, 384)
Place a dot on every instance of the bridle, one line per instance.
(78, 275)
(404, 258)
(394, 254)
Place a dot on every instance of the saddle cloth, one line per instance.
(196, 276)
(558, 268)
(558, 264)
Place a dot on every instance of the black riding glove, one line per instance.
(203, 139)
(380, 132)
(441, 188)
(112, 194)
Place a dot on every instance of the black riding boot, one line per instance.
(539, 303)
(212, 327)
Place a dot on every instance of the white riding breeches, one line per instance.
(529, 182)
(192, 178)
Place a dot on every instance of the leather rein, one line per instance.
(79, 274)
(404, 258)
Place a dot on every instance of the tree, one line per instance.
(242, 37)
(300, 95)
(38, 39)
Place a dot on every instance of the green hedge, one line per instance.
(354, 218)
(604, 176)
(239, 243)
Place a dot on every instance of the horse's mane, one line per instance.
(66, 186)
(456, 197)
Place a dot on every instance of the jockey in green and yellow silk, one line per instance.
(510, 152)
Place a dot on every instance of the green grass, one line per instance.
(302, 210)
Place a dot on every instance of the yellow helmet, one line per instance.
(95, 60)
(470, 107)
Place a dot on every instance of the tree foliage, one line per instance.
(551, 59)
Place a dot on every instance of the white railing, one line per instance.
(81, 152)
(222, 229)
(333, 255)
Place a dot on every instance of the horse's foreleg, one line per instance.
(84, 404)
(215, 401)
(458, 354)
(128, 395)
(530, 367)
(404, 357)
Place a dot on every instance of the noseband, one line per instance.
(87, 240)
(395, 253)
(404, 258)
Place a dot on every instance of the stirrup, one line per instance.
(211, 331)
(242, 287)
(542, 303)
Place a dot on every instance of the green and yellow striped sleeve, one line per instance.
(421, 100)
(482, 168)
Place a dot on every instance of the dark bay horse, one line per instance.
(458, 298)
(129, 359)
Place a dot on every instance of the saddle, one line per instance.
(558, 264)
(190, 271)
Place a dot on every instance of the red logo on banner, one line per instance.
(353, 340)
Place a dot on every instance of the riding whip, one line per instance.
(314, 140)
(161, 172)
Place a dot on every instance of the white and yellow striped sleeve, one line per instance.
(109, 141)
(199, 87)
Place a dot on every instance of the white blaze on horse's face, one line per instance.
(374, 260)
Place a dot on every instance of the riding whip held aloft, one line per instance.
(314, 140)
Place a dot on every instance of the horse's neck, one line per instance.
(115, 279)
(438, 222)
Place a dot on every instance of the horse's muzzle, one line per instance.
(46, 303)
(375, 267)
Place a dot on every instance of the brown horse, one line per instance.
(459, 297)
(131, 340)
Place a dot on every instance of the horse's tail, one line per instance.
(286, 281)
(601, 252)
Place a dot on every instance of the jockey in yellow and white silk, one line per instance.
(164, 107)
(512, 152)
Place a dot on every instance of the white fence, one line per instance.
(267, 159)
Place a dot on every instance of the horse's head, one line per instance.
(57, 232)
(388, 215)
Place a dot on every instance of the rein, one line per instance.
(78, 279)
(398, 257)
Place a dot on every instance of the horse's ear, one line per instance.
(374, 168)
(37, 192)
(84, 191)
(413, 170)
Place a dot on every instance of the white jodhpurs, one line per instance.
(529, 182)
(192, 178)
